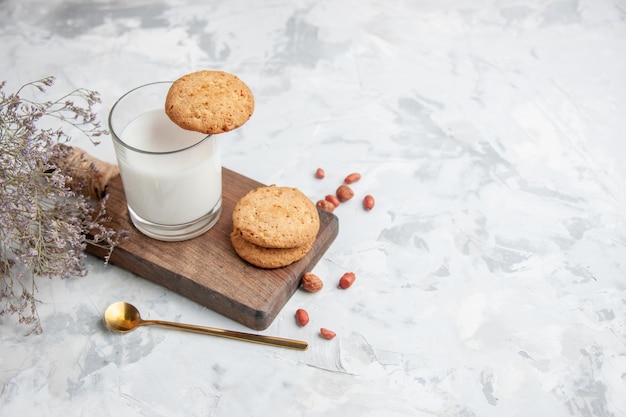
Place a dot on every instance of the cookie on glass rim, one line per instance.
(209, 102)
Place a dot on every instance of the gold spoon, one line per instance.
(124, 317)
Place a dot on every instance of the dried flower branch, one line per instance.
(44, 224)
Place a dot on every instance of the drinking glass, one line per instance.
(172, 177)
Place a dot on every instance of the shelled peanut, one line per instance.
(332, 199)
(344, 193)
(351, 178)
(346, 280)
(327, 334)
(311, 282)
(326, 205)
(302, 317)
(368, 202)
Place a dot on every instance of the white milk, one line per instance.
(171, 188)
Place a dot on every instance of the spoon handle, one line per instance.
(231, 334)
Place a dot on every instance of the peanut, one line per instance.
(344, 193)
(327, 334)
(325, 205)
(302, 317)
(332, 199)
(354, 177)
(347, 280)
(319, 173)
(368, 202)
(311, 282)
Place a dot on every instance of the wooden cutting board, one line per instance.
(206, 269)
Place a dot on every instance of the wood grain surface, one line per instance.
(206, 269)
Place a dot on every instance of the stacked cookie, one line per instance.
(274, 226)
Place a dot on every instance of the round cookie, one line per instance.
(210, 102)
(267, 257)
(276, 217)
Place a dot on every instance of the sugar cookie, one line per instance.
(210, 102)
(276, 217)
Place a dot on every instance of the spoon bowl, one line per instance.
(123, 317)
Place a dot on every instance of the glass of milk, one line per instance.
(172, 177)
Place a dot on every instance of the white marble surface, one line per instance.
(491, 275)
